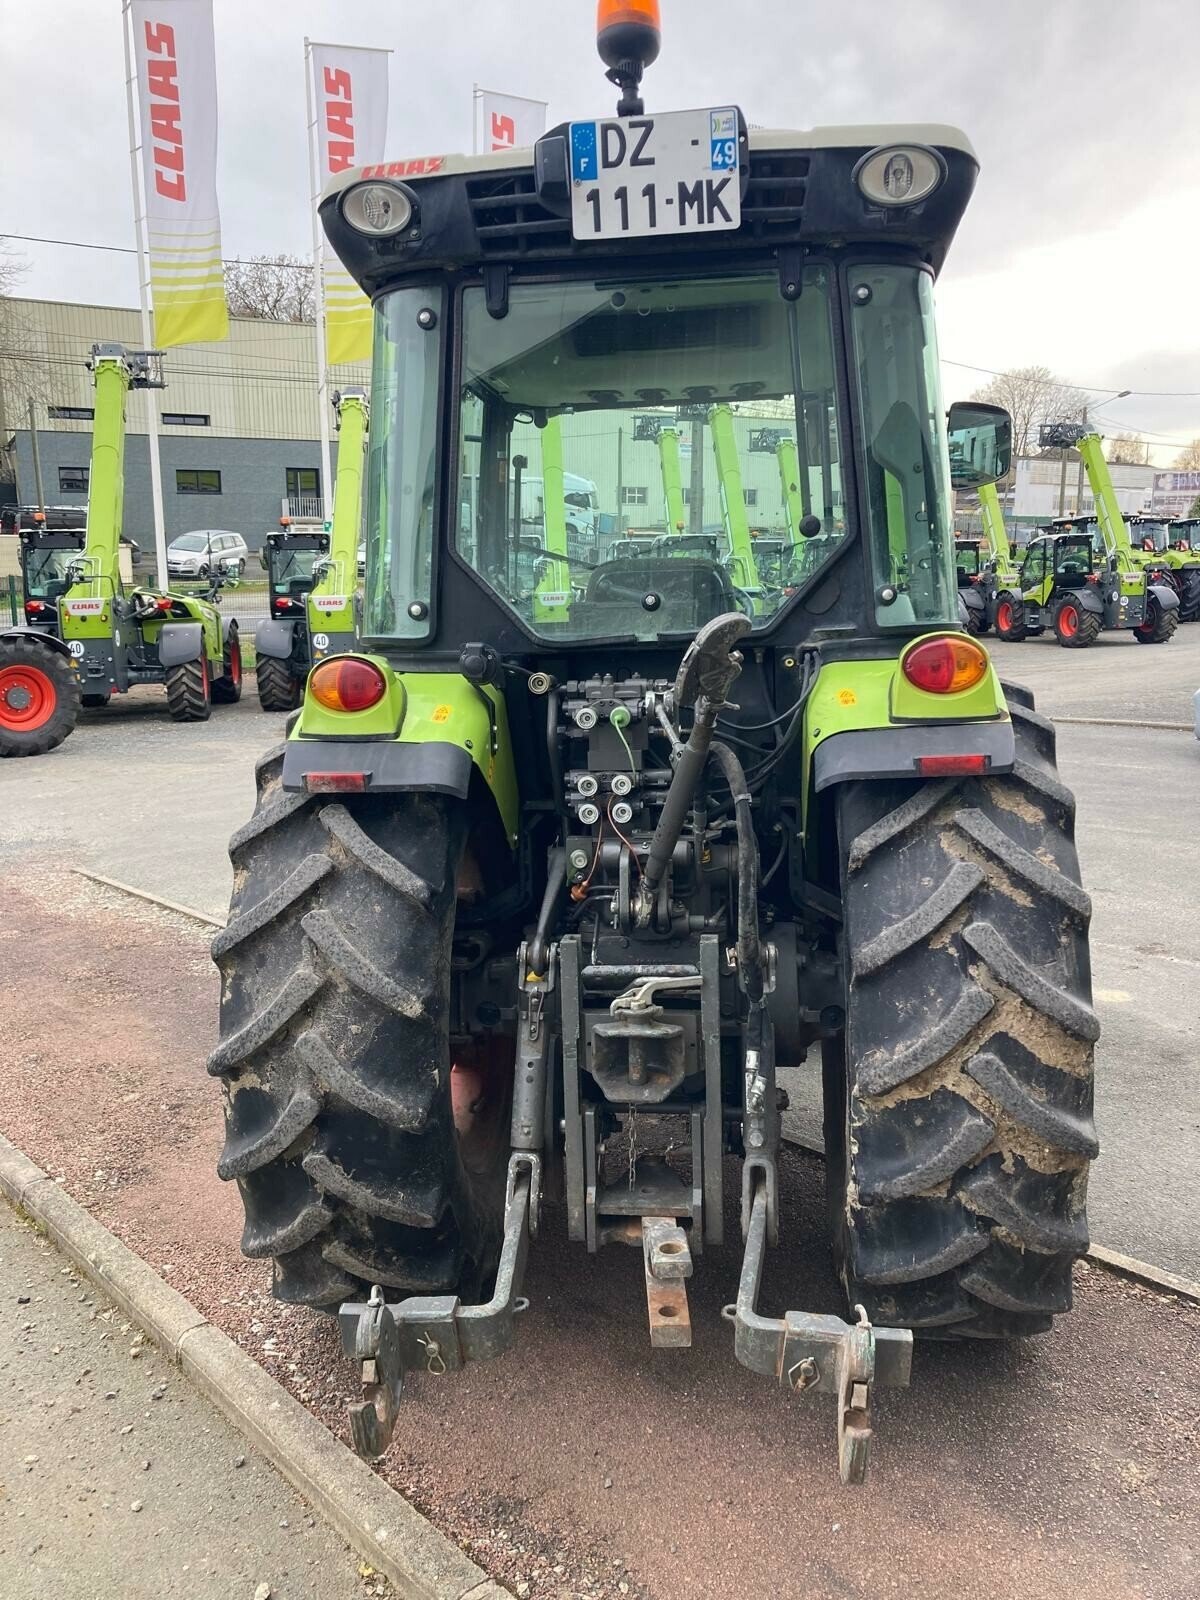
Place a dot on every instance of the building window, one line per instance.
(633, 495)
(71, 413)
(72, 480)
(186, 419)
(751, 497)
(197, 480)
(303, 481)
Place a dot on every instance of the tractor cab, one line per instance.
(48, 547)
(968, 564)
(291, 557)
(1185, 535)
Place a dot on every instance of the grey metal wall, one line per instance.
(253, 479)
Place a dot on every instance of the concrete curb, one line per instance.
(1120, 722)
(376, 1521)
(152, 899)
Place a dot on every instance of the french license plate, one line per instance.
(637, 176)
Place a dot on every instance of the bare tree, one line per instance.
(12, 344)
(271, 288)
(1128, 450)
(1188, 459)
(1031, 396)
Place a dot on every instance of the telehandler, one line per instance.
(312, 576)
(533, 906)
(988, 582)
(106, 636)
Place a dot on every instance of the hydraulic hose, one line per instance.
(749, 946)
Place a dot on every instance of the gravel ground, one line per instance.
(1063, 1467)
(120, 1482)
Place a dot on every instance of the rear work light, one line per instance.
(946, 665)
(347, 685)
(950, 766)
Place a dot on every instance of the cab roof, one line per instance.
(800, 191)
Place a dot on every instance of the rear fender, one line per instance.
(50, 640)
(179, 642)
(1088, 600)
(275, 638)
(431, 731)
(865, 720)
(1168, 599)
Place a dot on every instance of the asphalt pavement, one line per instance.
(137, 798)
(117, 1478)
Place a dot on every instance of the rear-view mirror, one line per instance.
(980, 443)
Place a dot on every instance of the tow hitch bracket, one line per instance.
(431, 1333)
(813, 1351)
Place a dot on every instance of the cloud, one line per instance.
(1083, 113)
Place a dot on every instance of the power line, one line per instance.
(128, 250)
(303, 266)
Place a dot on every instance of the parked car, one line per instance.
(194, 555)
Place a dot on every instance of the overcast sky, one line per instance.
(1081, 249)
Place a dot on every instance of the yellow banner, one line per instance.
(177, 96)
(347, 318)
(188, 286)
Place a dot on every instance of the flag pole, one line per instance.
(143, 260)
(318, 284)
(474, 119)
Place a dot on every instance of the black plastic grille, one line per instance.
(510, 221)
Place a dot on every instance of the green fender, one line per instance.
(418, 708)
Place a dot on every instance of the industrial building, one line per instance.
(237, 421)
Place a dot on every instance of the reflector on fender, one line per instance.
(950, 766)
(336, 782)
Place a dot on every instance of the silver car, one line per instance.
(196, 555)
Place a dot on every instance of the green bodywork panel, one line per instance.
(672, 477)
(789, 482)
(429, 708)
(742, 567)
(552, 594)
(854, 695)
(995, 532)
(330, 605)
(1108, 512)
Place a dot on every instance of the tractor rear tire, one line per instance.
(1189, 597)
(279, 689)
(1074, 627)
(334, 1050)
(1010, 619)
(39, 697)
(189, 691)
(227, 689)
(959, 1099)
(976, 623)
(1159, 627)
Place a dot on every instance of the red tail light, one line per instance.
(347, 685)
(32, 607)
(165, 603)
(946, 665)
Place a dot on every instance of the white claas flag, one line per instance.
(175, 64)
(350, 87)
(510, 123)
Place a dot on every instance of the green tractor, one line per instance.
(542, 890)
(92, 634)
(1164, 548)
(312, 576)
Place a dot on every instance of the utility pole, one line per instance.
(37, 457)
(1062, 483)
